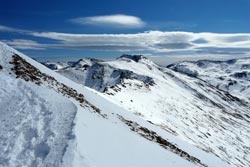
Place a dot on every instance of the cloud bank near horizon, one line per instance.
(155, 42)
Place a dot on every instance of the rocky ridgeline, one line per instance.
(29, 73)
(153, 136)
(97, 75)
(135, 58)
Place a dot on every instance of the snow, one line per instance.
(110, 138)
(186, 107)
(113, 137)
(35, 127)
(41, 127)
(232, 75)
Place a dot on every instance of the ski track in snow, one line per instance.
(31, 133)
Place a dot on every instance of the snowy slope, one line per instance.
(48, 120)
(189, 108)
(232, 75)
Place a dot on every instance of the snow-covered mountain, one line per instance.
(232, 75)
(189, 108)
(49, 120)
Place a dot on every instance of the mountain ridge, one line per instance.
(187, 107)
(232, 75)
(53, 121)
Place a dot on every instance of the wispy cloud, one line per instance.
(150, 41)
(156, 41)
(10, 29)
(115, 21)
(25, 44)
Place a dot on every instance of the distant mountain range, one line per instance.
(232, 75)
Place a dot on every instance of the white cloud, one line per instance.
(24, 44)
(151, 40)
(10, 29)
(156, 42)
(119, 20)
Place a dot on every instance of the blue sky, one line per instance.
(62, 29)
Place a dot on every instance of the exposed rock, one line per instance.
(135, 58)
(153, 136)
(26, 71)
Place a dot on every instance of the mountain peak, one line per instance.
(135, 58)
